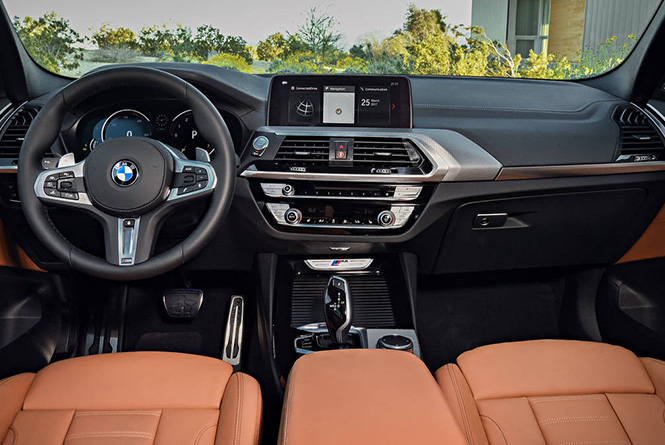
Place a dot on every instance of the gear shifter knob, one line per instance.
(337, 309)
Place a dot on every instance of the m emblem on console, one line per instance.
(124, 173)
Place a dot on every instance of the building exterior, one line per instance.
(562, 27)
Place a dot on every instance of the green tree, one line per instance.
(210, 40)
(107, 37)
(51, 41)
(318, 34)
(421, 23)
(431, 55)
(272, 48)
(169, 44)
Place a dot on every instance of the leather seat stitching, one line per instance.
(14, 434)
(465, 427)
(535, 400)
(598, 442)
(116, 413)
(505, 440)
(580, 419)
(257, 420)
(238, 432)
(287, 411)
(111, 434)
(203, 431)
(3, 381)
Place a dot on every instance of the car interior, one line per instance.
(191, 254)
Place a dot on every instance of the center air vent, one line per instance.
(385, 153)
(15, 131)
(640, 140)
(303, 151)
(360, 155)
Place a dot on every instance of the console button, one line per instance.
(288, 190)
(70, 195)
(292, 216)
(386, 218)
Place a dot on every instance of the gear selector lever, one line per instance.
(337, 309)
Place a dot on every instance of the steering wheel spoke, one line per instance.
(63, 186)
(129, 241)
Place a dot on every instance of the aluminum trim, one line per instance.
(270, 193)
(563, 171)
(128, 253)
(363, 264)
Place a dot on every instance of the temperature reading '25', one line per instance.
(364, 103)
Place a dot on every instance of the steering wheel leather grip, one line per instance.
(219, 187)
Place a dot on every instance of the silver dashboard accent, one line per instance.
(402, 215)
(347, 264)
(563, 171)
(127, 240)
(401, 193)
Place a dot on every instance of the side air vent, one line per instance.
(640, 140)
(303, 151)
(15, 131)
(385, 153)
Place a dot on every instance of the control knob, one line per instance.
(386, 218)
(292, 216)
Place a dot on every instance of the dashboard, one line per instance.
(478, 176)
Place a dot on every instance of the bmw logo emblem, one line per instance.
(124, 173)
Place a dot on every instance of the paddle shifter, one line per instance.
(337, 309)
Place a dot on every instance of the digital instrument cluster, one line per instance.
(175, 127)
(361, 101)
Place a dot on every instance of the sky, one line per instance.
(251, 19)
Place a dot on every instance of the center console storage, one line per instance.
(365, 396)
(342, 303)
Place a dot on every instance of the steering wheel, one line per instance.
(128, 184)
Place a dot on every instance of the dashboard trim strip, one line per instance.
(563, 171)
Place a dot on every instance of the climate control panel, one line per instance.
(341, 216)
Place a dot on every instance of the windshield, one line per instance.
(545, 39)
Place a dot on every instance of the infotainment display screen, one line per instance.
(340, 100)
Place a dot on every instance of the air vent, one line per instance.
(640, 140)
(303, 151)
(15, 131)
(385, 153)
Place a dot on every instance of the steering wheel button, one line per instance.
(200, 178)
(201, 185)
(200, 171)
(52, 192)
(50, 184)
(69, 195)
(188, 169)
(66, 175)
(189, 179)
(65, 185)
(53, 177)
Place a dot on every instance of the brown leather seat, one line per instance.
(133, 397)
(556, 392)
